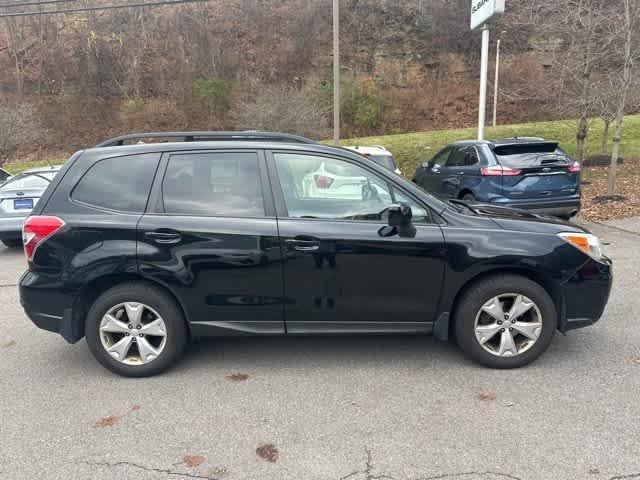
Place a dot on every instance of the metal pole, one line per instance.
(495, 84)
(336, 71)
(484, 67)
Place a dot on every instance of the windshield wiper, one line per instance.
(461, 203)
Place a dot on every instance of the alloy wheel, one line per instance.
(508, 325)
(133, 333)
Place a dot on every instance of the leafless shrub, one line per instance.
(284, 109)
(18, 125)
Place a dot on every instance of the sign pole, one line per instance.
(484, 68)
(336, 72)
(495, 85)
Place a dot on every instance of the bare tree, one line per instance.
(284, 109)
(630, 20)
(18, 125)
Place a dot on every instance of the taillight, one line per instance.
(499, 171)
(323, 181)
(36, 230)
(574, 167)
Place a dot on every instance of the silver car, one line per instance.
(18, 196)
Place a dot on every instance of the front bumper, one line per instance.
(586, 295)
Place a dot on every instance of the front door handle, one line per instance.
(460, 173)
(164, 237)
(303, 245)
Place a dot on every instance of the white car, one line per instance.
(335, 182)
(378, 154)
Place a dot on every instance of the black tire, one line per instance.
(158, 300)
(481, 292)
(468, 197)
(12, 242)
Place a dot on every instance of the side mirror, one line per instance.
(399, 215)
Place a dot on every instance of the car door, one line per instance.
(452, 172)
(341, 273)
(430, 179)
(210, 235)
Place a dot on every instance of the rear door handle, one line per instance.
(164, 236)
(303, 245)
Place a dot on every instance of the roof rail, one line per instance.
(250, 135)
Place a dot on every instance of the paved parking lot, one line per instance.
(404, 408)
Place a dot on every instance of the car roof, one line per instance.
(369, 150)
(506, 141)
(52, 168)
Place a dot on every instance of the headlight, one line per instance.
(585, 242)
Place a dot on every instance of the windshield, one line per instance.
(29, 181)
(530, 155)
(386, 161)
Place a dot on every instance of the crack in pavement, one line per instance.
(466, 474)
(626, 477)
(166, 471)
(368, 470)
(8, 285)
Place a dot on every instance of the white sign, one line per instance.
(484, 10)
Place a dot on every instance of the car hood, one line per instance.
(524, 220)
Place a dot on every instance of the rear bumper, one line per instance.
(561, 207)
(586, 295)
(49, 309)
(11, 227)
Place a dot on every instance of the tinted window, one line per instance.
(385, 161)
(213, 184)
(3, 175)
(30, 181)
(441, 158)
(457, 158)
(118, 183)
(470, 157)
(322, 187)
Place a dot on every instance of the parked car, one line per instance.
(139, 248)
(528, 173)
(378, 154)
(18, 196)
(4, 176)
(336, 181)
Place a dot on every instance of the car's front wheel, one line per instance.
(505, 321)
(135, 330)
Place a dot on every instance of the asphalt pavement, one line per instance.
(359, 408)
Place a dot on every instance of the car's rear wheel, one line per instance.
(468, 197)
(12, 242)
(135, 330)
(505, 321)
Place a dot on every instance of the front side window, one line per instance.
(441, 158)
(328, 188)
(213, 184)
(118, 183)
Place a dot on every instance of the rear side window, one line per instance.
(531, 155)
(213, 184)
(118, 183)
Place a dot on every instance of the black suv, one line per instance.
(141, 247)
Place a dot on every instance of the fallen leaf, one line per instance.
(135, 407)
(10, 343)
(636, 360)
(594, 471)
(268, 453)
(237, 377)
(107, 421)
(193, 460)
(486, 396)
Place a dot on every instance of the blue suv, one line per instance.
(527, 173)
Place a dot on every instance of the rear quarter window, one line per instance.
(118, 183)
